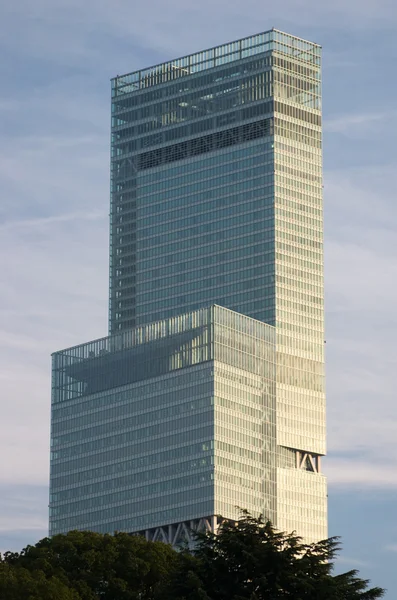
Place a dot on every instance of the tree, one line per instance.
(250, 560)
(17, 583)
(110, 567)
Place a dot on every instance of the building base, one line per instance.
(180, 534)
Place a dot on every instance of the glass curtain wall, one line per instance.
(192, 186)
(298, 207)
(136, 446)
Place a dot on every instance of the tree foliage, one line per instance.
(119, 567)
(17, 583)
(249, 560)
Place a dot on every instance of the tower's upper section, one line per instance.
(269, 41)
(192, 176)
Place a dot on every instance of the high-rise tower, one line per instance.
(216, 198)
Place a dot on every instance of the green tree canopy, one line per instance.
(248, 560)
(17, 583)
(110, 567)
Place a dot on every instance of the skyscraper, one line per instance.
(216, 199)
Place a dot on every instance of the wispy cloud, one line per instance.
(361, 293)
(49, 221)
(359, 125)
(23, 515)
(55, 221)
(356, 475)
(351, 562)
(58, 31)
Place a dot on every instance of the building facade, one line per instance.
(216, 198)
(169, 422)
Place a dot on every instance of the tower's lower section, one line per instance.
(158, 429)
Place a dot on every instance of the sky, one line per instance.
(57, 59)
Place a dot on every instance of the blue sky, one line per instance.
(57, 59)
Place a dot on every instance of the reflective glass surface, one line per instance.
(301, 419)
(164, 423)
(192, 187)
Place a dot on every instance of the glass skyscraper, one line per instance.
(216, 201)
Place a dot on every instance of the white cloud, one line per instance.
(359, 125)
(351, 562)
(361, 276)
(27, 524)
(353, 474)
(54, 289)
(64, 31)
(23, 515)
(48, 221)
